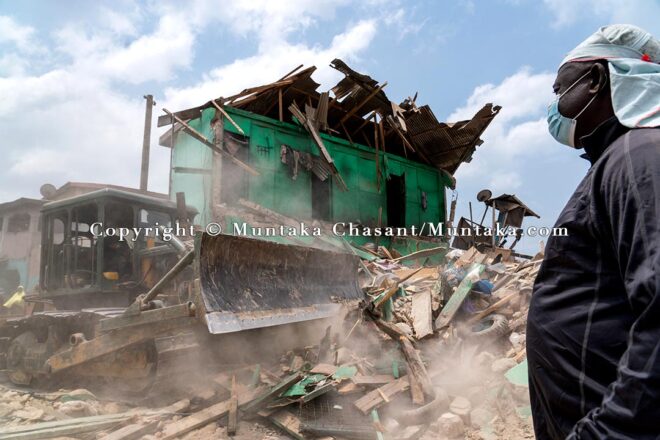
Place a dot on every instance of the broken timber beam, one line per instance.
(379, 396)
(62, 428)
(390, 329)
(420, 382)
(287, 422)
(232, 417)
(309, 126)
(226, 115)
(421, 254)
(492, 308)
(392, 290)
(205, 416)
(203, 139)
(352, 111)
(134, 431)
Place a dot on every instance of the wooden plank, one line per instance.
(389, 293)
(327, 369)
(287, 422)
(226, 115)
(461, 292)
(201, 138)
(62, 431)
(420, 382)
(390, 329)
(424, 253)
(291, 72)
(309, 126)
(68, 427)
(352, 111)
(467, 257)
(232, 417)
(133, 432)
(175, 408)
(348, 389)
(422, 314)
(205, 416)
(378, 379)
(493, 308)
(426, 272)
(374, 399)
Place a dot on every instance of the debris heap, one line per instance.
(435, 350)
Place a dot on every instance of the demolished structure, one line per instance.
(216, 336)
(355, 156)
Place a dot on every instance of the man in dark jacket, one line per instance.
(593, 332)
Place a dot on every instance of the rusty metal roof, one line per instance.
(447, 146)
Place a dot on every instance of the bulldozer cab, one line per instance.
(85, 262)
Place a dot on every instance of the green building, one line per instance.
(357, 157)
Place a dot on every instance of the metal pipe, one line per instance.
(76, 338)
(483, 217)
(146, 140)
(175, 242)
(178, 267)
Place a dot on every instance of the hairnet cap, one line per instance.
(633, 58)
(617, 41)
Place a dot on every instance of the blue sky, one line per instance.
(72, 76)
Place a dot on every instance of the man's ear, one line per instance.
(599, 76)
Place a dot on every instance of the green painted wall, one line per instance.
(275, 189)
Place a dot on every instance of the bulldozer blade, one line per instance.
(247, 283)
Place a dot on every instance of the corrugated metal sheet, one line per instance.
(447, 146)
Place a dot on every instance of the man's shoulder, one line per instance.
(633, 157)
(638, 145)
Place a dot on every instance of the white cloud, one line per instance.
(520, 95)
(15, 33)
(267, 66)
(74, 121)
(12, 64)
(643, 13)
(504, 181)
(155, 56)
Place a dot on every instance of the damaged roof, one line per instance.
(359, 111)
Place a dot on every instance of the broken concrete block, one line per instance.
(480, 418)
(461, 407)
(5, 409)
(29, 413)
(484, 359)
(502, 365)
(451, 425)
(77, 408)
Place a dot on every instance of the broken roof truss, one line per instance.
(361, 112)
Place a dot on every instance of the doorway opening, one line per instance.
(396, 200)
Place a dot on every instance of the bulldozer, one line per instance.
(128, 309)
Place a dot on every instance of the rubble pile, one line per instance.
(434, 351)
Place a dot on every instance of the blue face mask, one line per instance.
(562, 128)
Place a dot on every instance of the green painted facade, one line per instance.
(275, 189)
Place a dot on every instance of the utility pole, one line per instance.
(144, 173)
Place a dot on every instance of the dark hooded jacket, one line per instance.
(593, 331)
